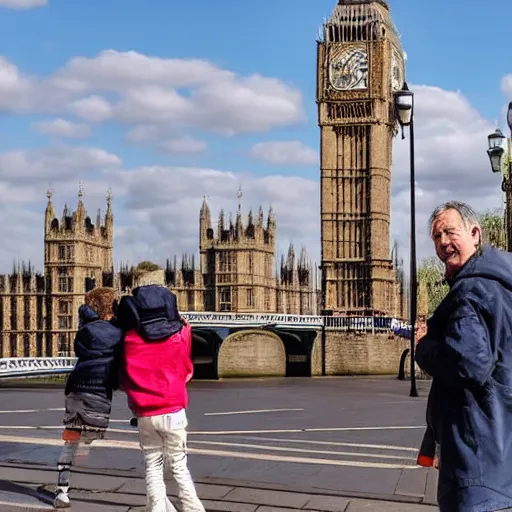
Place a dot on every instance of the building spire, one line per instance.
(109, 203)
(239, 196)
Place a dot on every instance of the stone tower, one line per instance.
(360, 64)
(237, 261)
(77, 257)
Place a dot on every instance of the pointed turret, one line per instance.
(65, 221)
(239, 227)
(98, 220)
(205, 224)
(260, 217)
(49, 214)
(271, 227)
(271, 220)
(109, 216)
(220, 224)
(205, 210)
(291, 257)
(79, 215)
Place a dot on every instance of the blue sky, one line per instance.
(456, 56)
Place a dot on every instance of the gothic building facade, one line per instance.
(38, 312)
(237, 270)
(236, 273)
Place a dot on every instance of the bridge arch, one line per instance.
(252, 353)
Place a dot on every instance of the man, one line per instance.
(468, 351)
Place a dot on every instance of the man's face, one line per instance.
(454, 242)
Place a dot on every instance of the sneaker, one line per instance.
(61, 500)
(134, 422)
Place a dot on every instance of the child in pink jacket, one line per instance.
(156, 368)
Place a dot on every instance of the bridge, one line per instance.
(237, 344)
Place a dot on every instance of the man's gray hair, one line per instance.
(469, 217)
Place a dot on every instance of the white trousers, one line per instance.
(163, 440)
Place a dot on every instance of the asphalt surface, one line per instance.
(344, 434)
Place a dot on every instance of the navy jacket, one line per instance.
(468, 352)
(152, 311)
(97, 347)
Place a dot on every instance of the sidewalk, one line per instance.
(26, 488)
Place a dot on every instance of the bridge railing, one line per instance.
(35, 366)
(252, 319)
(346, 323)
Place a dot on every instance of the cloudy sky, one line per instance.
(166, 102)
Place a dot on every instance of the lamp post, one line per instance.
(496, 151)
(404, 106)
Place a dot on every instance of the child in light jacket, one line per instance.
(90, 385)
(156, 367)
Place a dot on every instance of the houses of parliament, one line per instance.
(361, 67)
(236, 273)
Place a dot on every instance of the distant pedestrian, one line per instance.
(155, 370)
(468, 351)
(90, 385)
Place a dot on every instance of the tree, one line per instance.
(493, 227)
(146, 266)
(431, 276)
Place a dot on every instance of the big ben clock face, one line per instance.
(348, 69)
(397, 71)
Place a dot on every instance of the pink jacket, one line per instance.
(155, 374)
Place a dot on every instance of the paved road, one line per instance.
(344, 434)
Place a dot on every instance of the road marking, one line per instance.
(131, 445)
(61, 427)
(250, 412)
(298, 430)
(302, 450)
(332, 443)
(23, 411)
(225, 432)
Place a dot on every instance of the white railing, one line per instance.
(22, 366)
(252, 320)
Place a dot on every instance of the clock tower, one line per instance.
(360, 64)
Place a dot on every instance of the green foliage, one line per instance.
(493, 226)
(146, 266)
(431, 275)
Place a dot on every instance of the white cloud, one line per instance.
(451, 163)
(506, 86)
(182, 145)
(285, 153)
(159, 206)
(53, 164)
(164, 204)
(136, 89)
(94, 109)
(63, 128)
(143, 133)
(22, 4)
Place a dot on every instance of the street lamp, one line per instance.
(404, 107)
(496, 153)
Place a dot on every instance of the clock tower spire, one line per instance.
(360, 65)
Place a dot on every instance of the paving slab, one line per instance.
(11, 501)
(383, 506)
(431, 487)
(412, 483)
(328, 503)
(274, 498)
